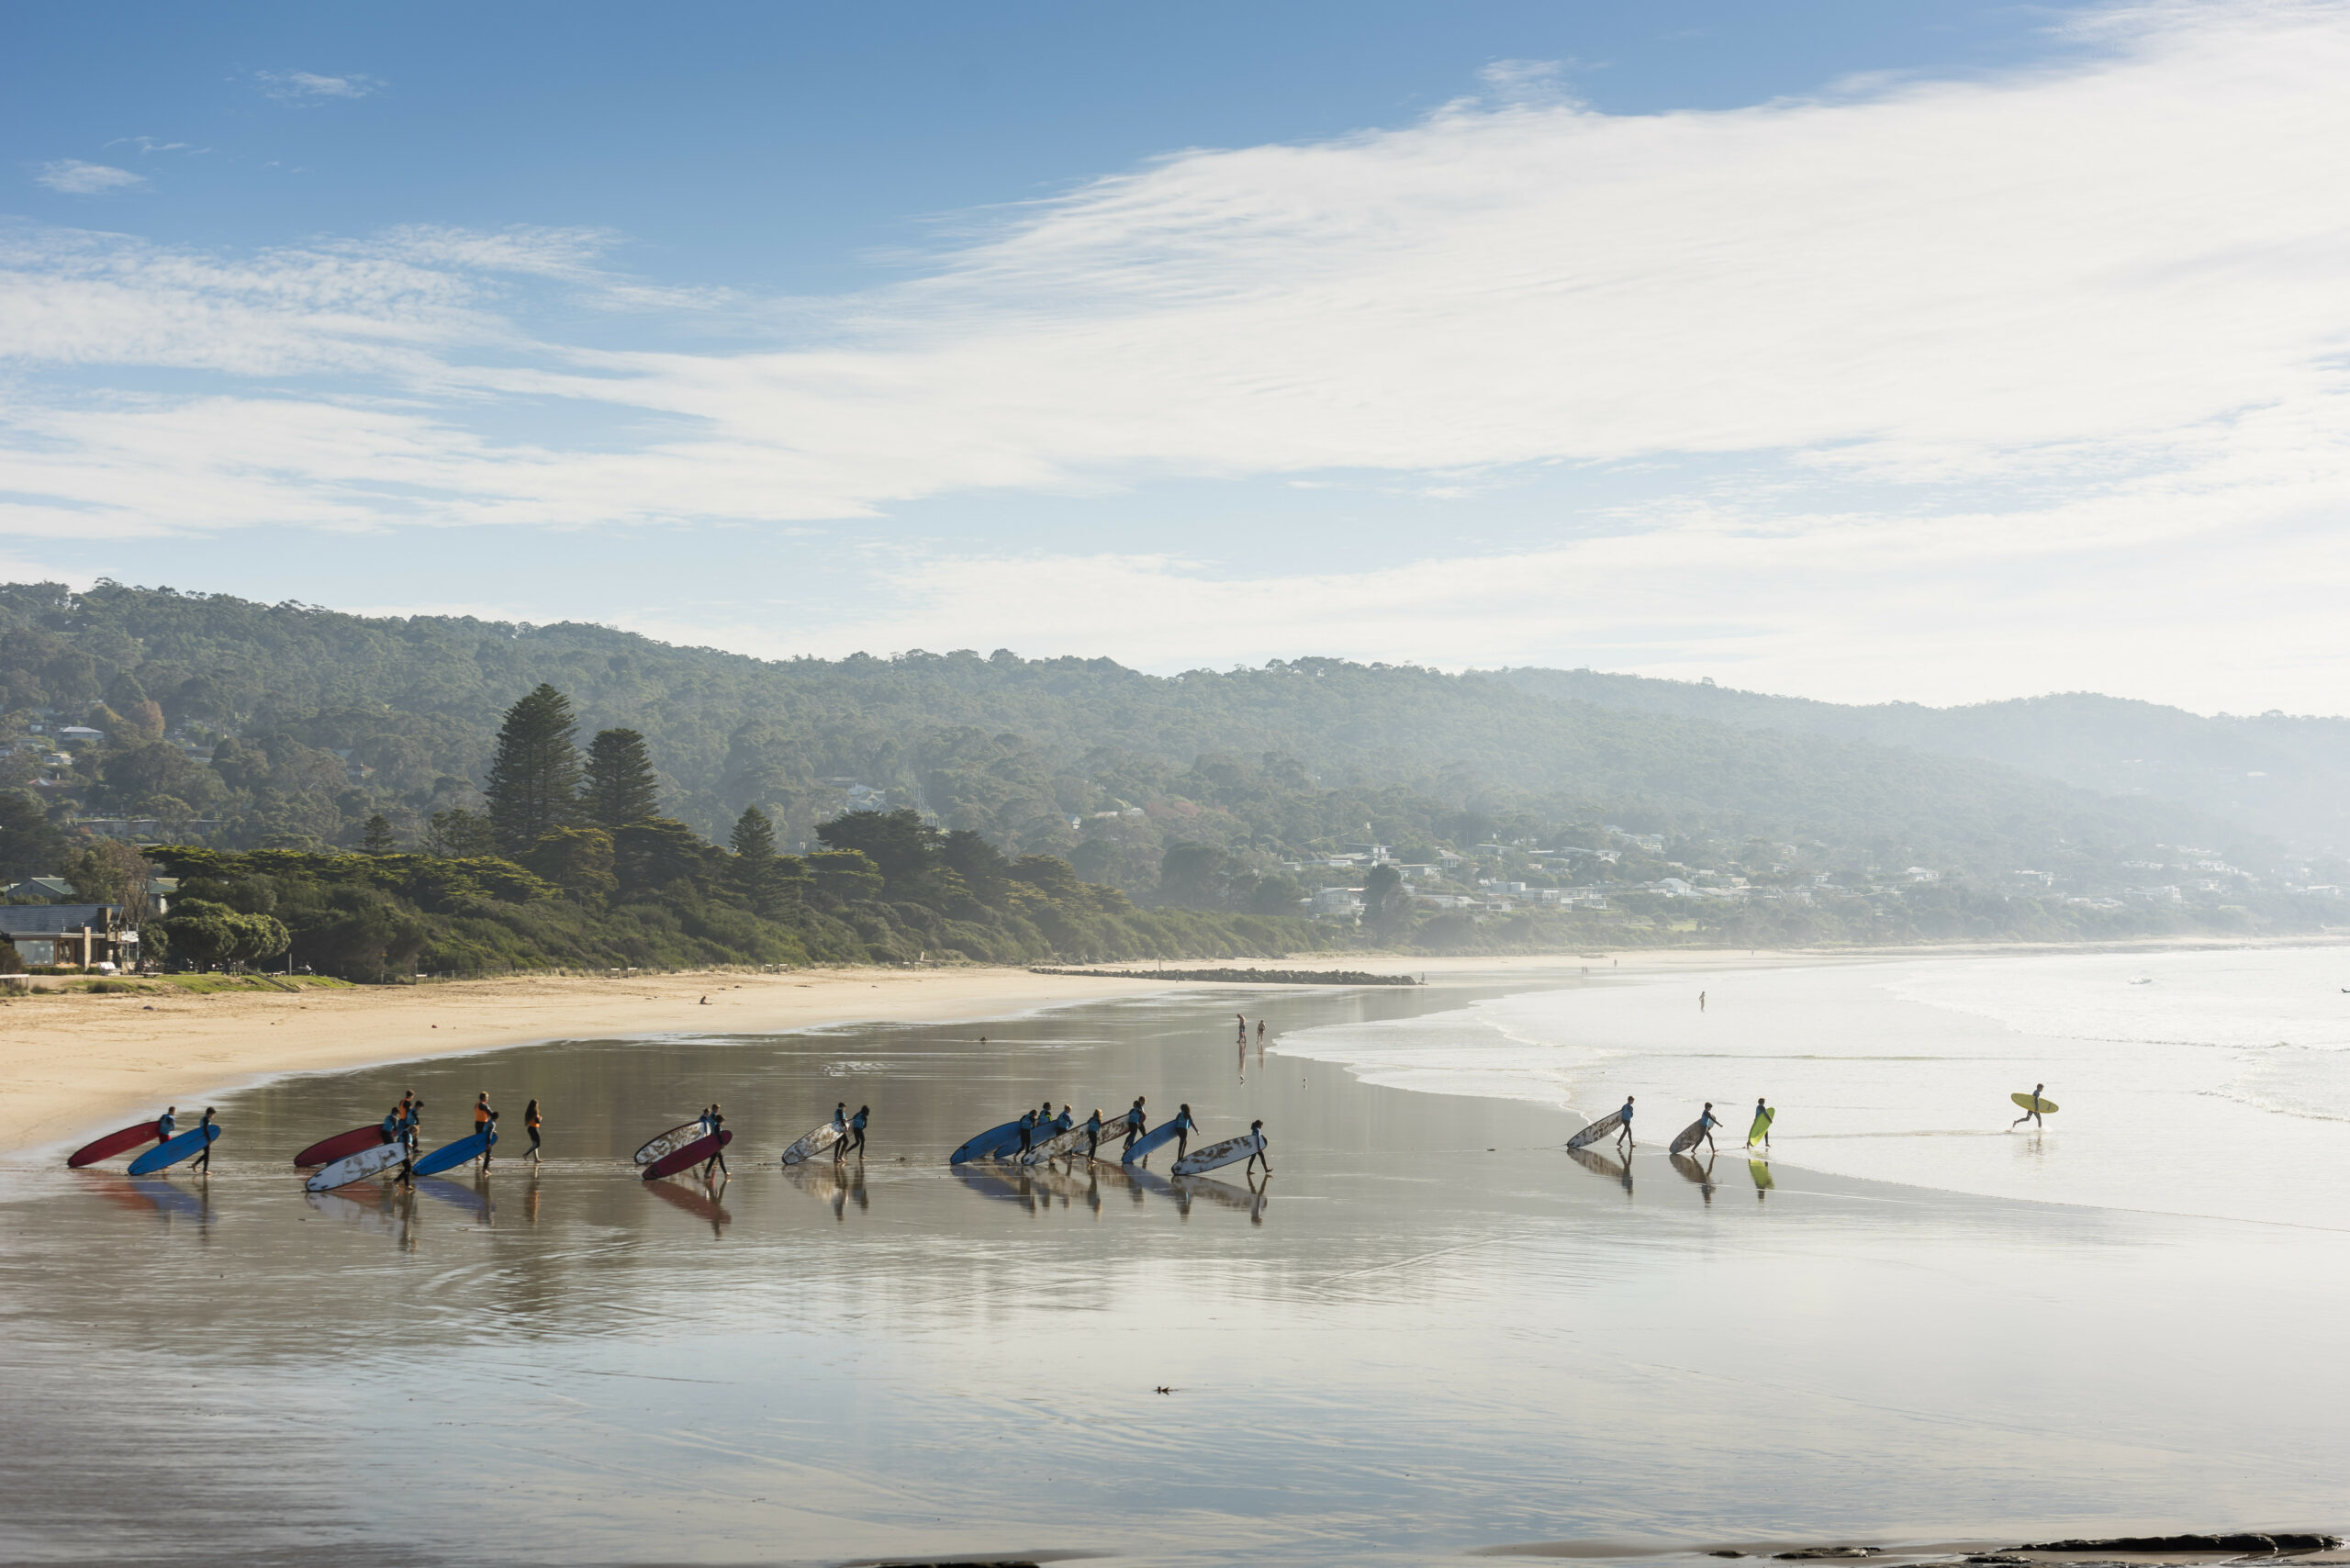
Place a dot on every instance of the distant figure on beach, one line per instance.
(489, 1141)
(1134, 1127)
(2032, 1115)
(1706, 1123)
(204, 1161)
(1701, 1001)
(715, 1124)
(1261, 1032)
(1624, 1125)
(1257, 1128)
(531, 1125)
(1184, 1128)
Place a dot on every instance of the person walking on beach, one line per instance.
(1184, 1128)
(412, 1129)
(394, 1120)
(2032, 1115)
(1624, 1125)
(204, 1159)
(1706, 1123)
(483, 1114)
(530, 1126)
(1260, 1034)
(717, 1162)
(1134, 1127)
(855, 1142)
(1093, 1132)
(166, 1124)
(1242, 1019)
(1701, 1001)
(1257, 1128)
(1762, 1119)
(1027, 1132)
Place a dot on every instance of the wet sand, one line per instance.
(1429, 1332)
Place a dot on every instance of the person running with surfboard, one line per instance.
(1624, 1125)
(2031, 1113)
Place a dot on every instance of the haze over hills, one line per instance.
(291, 725)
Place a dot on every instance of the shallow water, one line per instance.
(1429, 1331)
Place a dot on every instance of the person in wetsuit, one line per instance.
(1027, 1132)
(1706, 1123)
(1134, 1127)
(166, 1124)
(1258, 1129)
(1184, 1128)
(715, 1122)
(855, 1142)
(1093, 1133)
(204, 1158)
(1624, 1127)
(530, 1126)
(2032, 1115)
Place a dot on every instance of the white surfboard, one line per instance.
(676, 1138)
(1059, 1144)
(814, 1144)
(1219, 1154)
(1689, 1138)
(357, 1167)
(1597, 1130)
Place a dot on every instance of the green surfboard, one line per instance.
(1761, 1125)
(2034, 1103)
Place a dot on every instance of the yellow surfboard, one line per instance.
(2034, 1103)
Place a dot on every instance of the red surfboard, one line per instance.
(694, 1153)
(327, 1150)
(113, 1144)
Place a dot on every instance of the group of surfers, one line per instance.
(404, 1124)
(1702, 1126)
(848, 1133)
(1041, 1126)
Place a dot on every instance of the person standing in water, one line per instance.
(2032, 1115)
(717, 1160)
(1701, 1001)
(530, 1126)
(1260, 1034)
(412, 1129)
(1706, 1123)
(1624, 1125)
(204, 1159)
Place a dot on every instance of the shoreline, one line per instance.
(74, 1065)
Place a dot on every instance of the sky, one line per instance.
(1864, 351)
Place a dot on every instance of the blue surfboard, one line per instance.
(454, 1154)
(1157, 1137)
(989, 1144)
(166, 1155)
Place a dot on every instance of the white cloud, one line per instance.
(2060, 328)
(306, 87)
(73, 177)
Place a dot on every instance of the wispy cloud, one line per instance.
(73, 177)
(308, 86)
(2052, 325)
(149, 144)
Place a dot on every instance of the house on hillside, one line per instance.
(44, 889)
(78, 934)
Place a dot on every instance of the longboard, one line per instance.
(989, 1144)
(676, 1138)
(1762, 1127)
(327, 1150)
(185, 1147)
(814, 1144)
(693, 1153)
(1158, 1137)
(107, 1148)
(1597, 1130)
(1058, 1141)
(1219, 1154)
(1688, 1139)
(450, 1155)
(2034, 1103)
(356, 1167)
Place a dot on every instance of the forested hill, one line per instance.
(2284, 776)
(290, 725)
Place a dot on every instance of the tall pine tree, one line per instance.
(534, 781)
(759, 873)
(621, 787)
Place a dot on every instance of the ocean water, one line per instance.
(2208, 1083)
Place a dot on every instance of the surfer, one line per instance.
(717, 1162)
(2033, 1115)
(1184, 1128)
(1624, 1125)
(1762, 1118)
(412, 1129)
(1258, 1128)
(1134, 1125)
(1093, 1132)
(483, 1114)
(204, 1161)
(390, 1125)
(531, 1125)
(165, 1123)
(1027, 1130)
(1706, 1123)
(855, 1142)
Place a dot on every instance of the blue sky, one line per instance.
(1859, 350)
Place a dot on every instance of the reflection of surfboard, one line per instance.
(1597, 1130)
(676, 1138)
(814, 1144)
(1762, 1127)
(700, 1204)
(1242, 1148)
(356, 1168)
(2034, 1103)
(1761, 1172)
(702, 1149)
(1689, 1171)
(450, 1155)
(1688, 1137)
(994, 1185)
(989, 1144)
(107, 1148)
(1157, 1137)
(474, 1199)
(185, 1147)
(1600, 1165)
(327, 1150)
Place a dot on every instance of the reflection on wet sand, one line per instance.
(702, 1203)
(835, 1185)
(1600, 1165)
(1759, 1170)
(151, 1195)
(475, 1200)
(1689, 1171)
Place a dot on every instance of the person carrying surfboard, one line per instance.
(1706, 1123)
(1184, 1128)
(1134, 1127)
(1624, 1125)
(165, 1123)
(1258, 1129)
(390, 1125)
(204, 1161)
(1027, 1131)
(483, 1117)
(1761, 1131)
(2031, 1111)
(855, 1142)
(717, 1162)
(1093, 1133)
